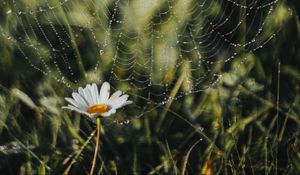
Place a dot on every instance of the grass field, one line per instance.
(215, 86)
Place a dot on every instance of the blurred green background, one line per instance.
(215, 86)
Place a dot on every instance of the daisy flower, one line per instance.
(89, 101)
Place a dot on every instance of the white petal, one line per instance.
(80, 91)
(104, 92)
(128, 102)
(95, 93)
(88, 96)
(122, 101)
(80, 101)
(115, 96)
(73, 102)
(109, 113)
(123, 97)
(91, 90)
(70, 107)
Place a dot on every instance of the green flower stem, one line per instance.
(97, 145)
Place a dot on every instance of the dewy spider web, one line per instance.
(147, 45)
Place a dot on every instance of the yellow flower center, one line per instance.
(98, 108)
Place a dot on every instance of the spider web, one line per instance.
(146, 48)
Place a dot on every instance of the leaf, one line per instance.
(24, 98)
(207, 168)
(230, 79)
(294, 158)
(291, 71)
(253, 86)
(42, 169)
(186, 158)
(244, 66)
